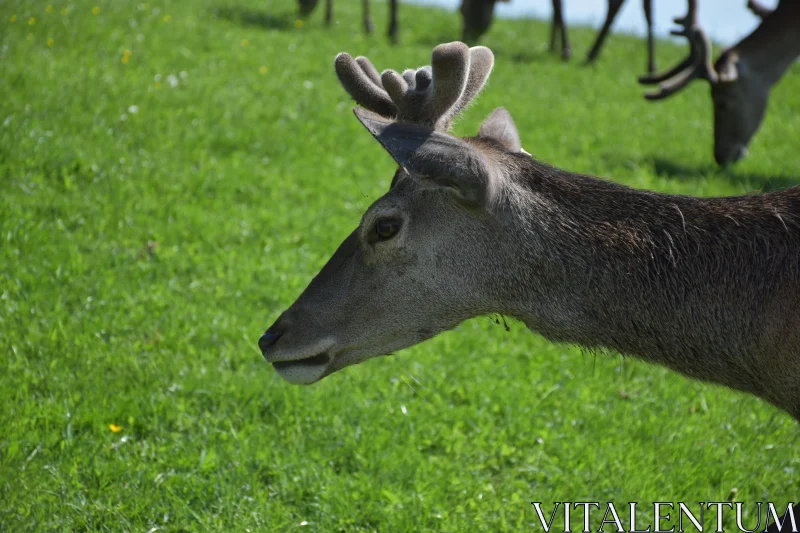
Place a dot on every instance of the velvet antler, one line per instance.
(430, 96)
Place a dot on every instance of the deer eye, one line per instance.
(386, 228)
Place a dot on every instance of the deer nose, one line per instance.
(268, 340)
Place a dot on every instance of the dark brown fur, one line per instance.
(707, 286)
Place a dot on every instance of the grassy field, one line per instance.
(172, 176)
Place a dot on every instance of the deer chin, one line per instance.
(305, 371)
(311, 369)
(296, 359)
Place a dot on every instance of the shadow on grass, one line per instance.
(261, 19)
(673, 170)
(757, 182)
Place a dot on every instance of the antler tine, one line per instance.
(451, 69)
(369, 69)
(360, 79)
(697, 65)
(673, 85)
(688, 20)
(481, 62)
(430, 96)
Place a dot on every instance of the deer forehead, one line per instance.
(418, 202)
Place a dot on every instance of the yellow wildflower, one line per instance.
(126, 56)
(298, 23)
(64, 11)
(49, 8)
(157, 84)
(95, 10)
(13, 18)
(244, 43)
(262, 70)
(50, 41)
(167, 18)
(31, 21)
(115, 428)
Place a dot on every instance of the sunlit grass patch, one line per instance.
(173, 176)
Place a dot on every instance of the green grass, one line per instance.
(144, 249)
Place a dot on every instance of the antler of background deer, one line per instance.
(758, 10)
(697, 65)
(429, 96)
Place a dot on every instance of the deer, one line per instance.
(307, 7)
(477, 17)
(740, 79)
(708, 287)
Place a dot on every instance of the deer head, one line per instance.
(739, 92)
(421, 261)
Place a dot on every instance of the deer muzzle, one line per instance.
(297, 357)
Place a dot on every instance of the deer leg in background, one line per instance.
(558, 20)
(393, 20)
(369, 26)
(613, 9)
(328, 12)
(758, 10)
(553, 30)
(306, 7)
(651, 53)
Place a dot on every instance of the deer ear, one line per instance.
(500, 127)
(433, 156)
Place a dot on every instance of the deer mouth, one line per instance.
(316, 360)
(304, 371)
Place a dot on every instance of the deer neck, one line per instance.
(674, 280)
(773, 46)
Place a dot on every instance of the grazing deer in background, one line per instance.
(477, 16)
(307, 6)
(709, 287)
(741, 78)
